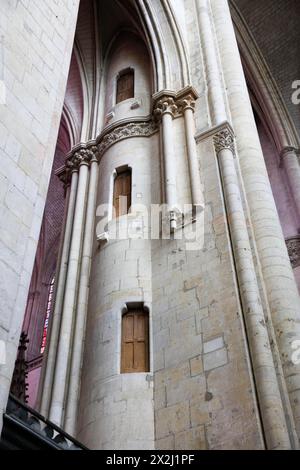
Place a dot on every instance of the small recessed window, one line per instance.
(122, 192)
(125, 85)
(135, 341)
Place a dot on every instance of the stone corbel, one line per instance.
(109, 117)
(64, 175)
(136, 104)
(102, 238)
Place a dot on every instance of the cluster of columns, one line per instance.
(268, 391)
(234, 149)
(168, 105)
(60, 385)
(61, 382)
(219, 45)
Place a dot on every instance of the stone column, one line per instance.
(278, 277)
(165, 110)
(271, 408)
(82, 303)
(213, 77)
(186, 100)
(51, 347)
(290, 160)
(80, 159)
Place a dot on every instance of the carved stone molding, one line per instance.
(133, 129)
(93, 150)
(224, 139)
(165, 101)
(293, 246)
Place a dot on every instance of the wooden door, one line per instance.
(125, 86)
(122, 188)
(135, 342)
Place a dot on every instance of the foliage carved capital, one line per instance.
(224, 139)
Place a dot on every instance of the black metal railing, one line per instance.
(35, 428)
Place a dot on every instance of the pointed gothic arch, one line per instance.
(166, 41)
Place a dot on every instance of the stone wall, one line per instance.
(36, 45)
(207, 305)
(116, 410)
(203, 385)
(203, 391)
(128, 51)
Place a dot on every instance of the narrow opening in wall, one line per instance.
(125, 85)
(135, 340)
(122, 191)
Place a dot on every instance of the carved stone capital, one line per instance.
(95, 151)
(166, 105)
(174, 103)
(132, 129)
(82, 154)
(188, 102)
(224, 139)
(186, 99)
(293, 246)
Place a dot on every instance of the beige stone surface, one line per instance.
(222, 315)
(36, 45)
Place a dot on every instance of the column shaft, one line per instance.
(196, 187)
(169, 159)
(272, 412)
(282, 293)
(65, 338)
(292, 168)
(61, 275)
(213, 77)
(82, 305)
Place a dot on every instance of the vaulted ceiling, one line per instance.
(274, 26)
